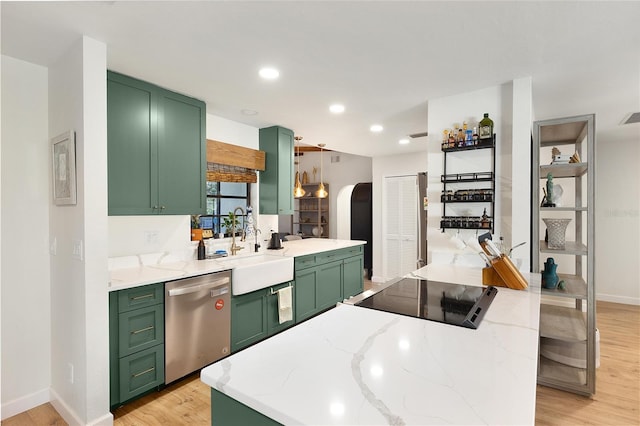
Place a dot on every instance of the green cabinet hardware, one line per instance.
(254, 316)
(156, 148)
(276, 181)
(136, 342)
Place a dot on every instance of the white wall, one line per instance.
(512, 193)
(25, 311)
(393, 165)
(79, 297)
(349, 170)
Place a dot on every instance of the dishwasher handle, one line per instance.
(204, 286)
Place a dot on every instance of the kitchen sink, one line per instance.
(250, 273)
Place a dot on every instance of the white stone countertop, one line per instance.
(358, 366)
(133, 271)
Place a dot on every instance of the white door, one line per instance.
(400, 225)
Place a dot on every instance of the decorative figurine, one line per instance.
(548, 194)
(549, 275)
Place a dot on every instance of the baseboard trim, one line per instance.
(625, 300)
(106, 420)
(25, 403)
(64, 410)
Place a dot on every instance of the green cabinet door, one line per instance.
(156, 149)
(329, 285)
(131, 146)
(306, 296)
(181, 154)
(276, 181)
(353, 276)
(273, 311)
(248, 319)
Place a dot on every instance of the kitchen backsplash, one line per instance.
(147, 240)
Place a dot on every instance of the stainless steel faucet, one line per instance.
(235, 248)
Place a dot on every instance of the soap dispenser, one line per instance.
(201, 250)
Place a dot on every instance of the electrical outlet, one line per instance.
(151, 238)
(70, 373)
(77, 250)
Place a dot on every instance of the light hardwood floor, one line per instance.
(616, 402)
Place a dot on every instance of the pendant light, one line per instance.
(321, 192)
(298, 191)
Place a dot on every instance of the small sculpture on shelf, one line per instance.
(550, 279)
(547, 201)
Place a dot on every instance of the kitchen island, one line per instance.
(356, 366)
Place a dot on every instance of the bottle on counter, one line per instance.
(474, 136)
(201, 250)
(486, 127)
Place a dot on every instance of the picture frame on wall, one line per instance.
(63, 156)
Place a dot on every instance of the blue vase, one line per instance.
(549, 275)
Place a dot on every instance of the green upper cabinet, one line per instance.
(156, 149)
(276, 182)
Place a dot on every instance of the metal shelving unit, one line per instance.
(311, 213)
(568, 347)
(475, 190)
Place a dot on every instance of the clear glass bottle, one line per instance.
(486, 127)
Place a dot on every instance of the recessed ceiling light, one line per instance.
(269, 73)
(376, 128)
(249, 112)
(403, 141)
(336, 108)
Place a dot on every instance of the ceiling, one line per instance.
(384, 60)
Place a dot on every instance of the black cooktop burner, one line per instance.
(454, 304)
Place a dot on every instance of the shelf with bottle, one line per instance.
(461, 138)
(466, 222)
(575, 287)
(467, 195)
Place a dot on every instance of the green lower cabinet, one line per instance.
(228, 411)
(254, 316)
(136, 342)
(324, 279)
(141, 372)
(329, 285)
(306, 296)
(248, 319)
(353, 276)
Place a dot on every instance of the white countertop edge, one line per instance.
(144, 274)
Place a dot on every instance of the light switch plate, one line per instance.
(53, 246)
(77, 250)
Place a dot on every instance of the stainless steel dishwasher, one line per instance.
(197, 323)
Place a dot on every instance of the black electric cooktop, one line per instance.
(453, 304)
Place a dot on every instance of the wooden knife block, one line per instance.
(503, 273)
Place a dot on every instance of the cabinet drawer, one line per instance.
(304, 262)
(139, 297)
(140, 329)
(141, 372)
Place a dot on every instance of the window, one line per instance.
(224, 197)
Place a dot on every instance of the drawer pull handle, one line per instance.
(149, 370)
(144, 296)
(142, 330)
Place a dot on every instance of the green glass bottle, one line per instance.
(485, 127)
